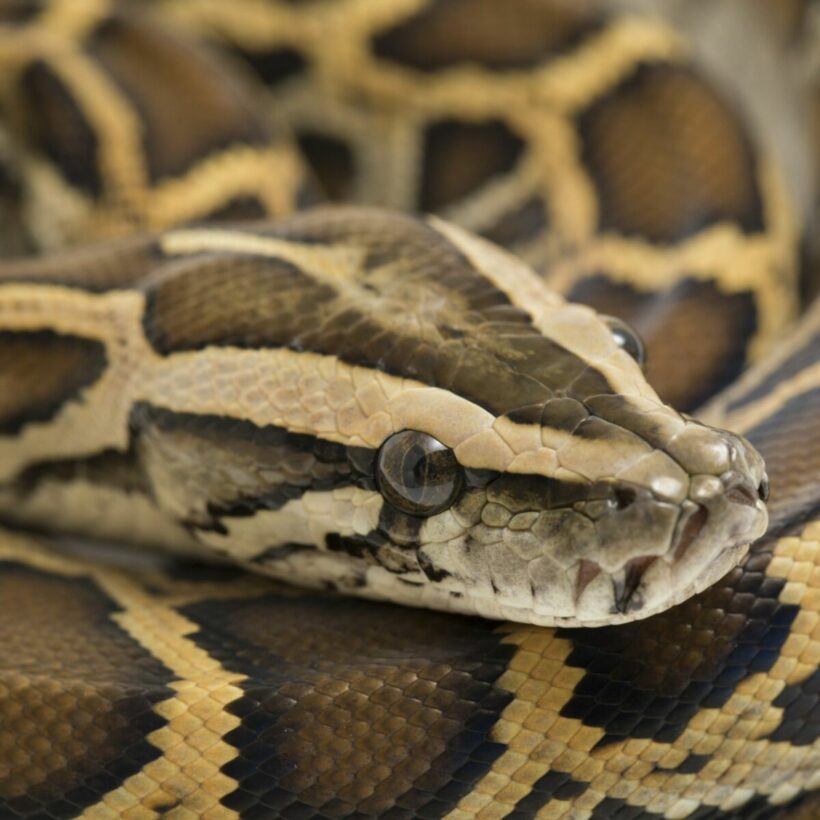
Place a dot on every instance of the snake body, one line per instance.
(389, 406)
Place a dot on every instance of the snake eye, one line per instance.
(626, 338)
(417, 474)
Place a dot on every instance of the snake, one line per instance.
(409, 408)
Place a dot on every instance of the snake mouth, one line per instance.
(624, 592)
(690, 525)
(692, 520)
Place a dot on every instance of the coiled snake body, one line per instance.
(383, 405)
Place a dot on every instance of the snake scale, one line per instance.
(197, 354)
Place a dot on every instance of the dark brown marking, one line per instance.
(516, 34)
(740, 494)
(800, 723)
(375, 550)
(626, 599)
(548, 787)
(41, 372)
(282, 552)
(669, 157)
(16, 12)
(344, 715)
(690, 531)
(616, 808)
(460, 157)
(520, 224)
(169, 81)
(70, 674)
(239, 209)
(332, 161)
(15, 238)
(534, 493)
(111, 468)
(587, 572)
(54, 125)
(277, 66)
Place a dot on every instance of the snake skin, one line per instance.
(601, 151)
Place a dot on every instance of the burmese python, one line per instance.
(271, 391)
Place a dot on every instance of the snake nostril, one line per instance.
(763, 489)
(625, 497)
(742, 494)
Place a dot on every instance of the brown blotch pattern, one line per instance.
(77, 695)
(228, 299)
(342, 713)
(459, 157)
(669, 157)
(54, 124)
(213, 103)
(332, 161)
(40, 372)
(516, 34)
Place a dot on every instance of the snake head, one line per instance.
(397, 409)
(655, 508)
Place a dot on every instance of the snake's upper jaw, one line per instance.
(722, 513)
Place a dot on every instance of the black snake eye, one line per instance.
(417, 474)
(626, 338)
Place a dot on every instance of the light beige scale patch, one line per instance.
(743, 763)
